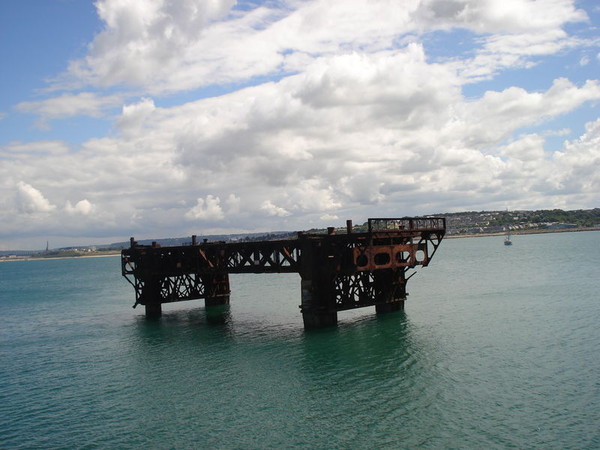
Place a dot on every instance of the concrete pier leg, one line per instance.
(153, 310)
(217, 299)
(389, 307)
(319, 319)
(151, 298)
(315, 311)
(390, 288)
(217, 309)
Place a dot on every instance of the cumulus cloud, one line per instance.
(490, 16)
(342, 110)
(143, 41)
(273, 210)
(134, 115)
(171, 46)
(206, 209)
(582, 158)
(31, 201)
(83, 207)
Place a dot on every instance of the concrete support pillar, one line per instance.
(383, 308)
(316, 313)
(318, 319)
(318, 299)
(390, 290)
(216, 289)
(151, 299)
(222, 300)
(153, 310)
(216, 301)
(217, 312)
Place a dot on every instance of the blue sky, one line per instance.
(127, 118)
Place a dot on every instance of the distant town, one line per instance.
(471, 223)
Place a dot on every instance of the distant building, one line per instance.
(560, 226)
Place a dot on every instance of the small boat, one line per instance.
(507, 240)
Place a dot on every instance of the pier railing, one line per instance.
(407, 223)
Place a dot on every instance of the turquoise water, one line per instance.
(497, 348)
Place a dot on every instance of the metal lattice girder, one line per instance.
(261, 257)
(354, 290)
(369, 288)
(182, 287)
(345, 270)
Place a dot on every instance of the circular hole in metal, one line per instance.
(382, 259)
(362, 260)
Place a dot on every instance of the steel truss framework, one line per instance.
(339, 271)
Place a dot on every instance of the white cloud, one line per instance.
(134, 115)
(31, 201)
(145, 41)
(233, 204)
(68, 105)
(273, 210)
(83, 207)
(582, 159)
(206, 209)
(299, 155)
(508, 16)
(173, 46)
(26, 150)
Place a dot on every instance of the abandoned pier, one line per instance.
(338, 271)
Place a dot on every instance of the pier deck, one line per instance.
(338, 271)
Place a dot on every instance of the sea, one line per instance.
(498, 347)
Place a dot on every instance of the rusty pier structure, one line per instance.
(339, 270)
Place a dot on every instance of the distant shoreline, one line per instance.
(522, 232)
(41, 258)
(448, 236)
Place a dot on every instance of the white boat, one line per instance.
(507, 240)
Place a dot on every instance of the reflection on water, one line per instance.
(370, 370)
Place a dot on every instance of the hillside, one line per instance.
(498, 221)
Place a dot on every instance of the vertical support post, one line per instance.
(315, 311)
(150, 298)
(318, 304)
(383, 308)
(390, 290)
(216, 288)
(216, 301)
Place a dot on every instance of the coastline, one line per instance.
(41, 258)
(448, 236)
(522, 232)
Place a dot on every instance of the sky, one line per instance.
(169, 118)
